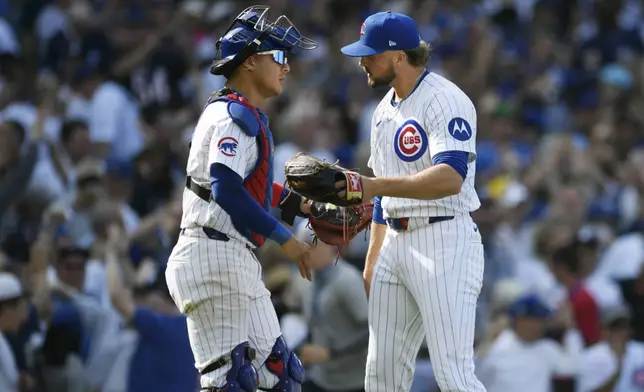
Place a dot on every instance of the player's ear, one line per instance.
(402, 57)
(250, 63)
(399, 57)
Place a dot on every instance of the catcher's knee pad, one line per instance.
(286, 366)
(242, 376)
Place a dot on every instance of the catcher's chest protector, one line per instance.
(259, 183)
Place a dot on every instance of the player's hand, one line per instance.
(311, 354)
(367, 188)
(367, 276)
(298, 251)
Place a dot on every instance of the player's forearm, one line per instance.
(432, 183)
(246, 214)
(378, 231)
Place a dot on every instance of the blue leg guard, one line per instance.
(242, 376)
(286, 366)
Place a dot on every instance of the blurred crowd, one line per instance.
(97, 103)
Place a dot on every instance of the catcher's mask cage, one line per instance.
(252, 32)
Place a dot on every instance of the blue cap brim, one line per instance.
(358, 49)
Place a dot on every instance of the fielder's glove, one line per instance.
(316, 180)
(335, 225)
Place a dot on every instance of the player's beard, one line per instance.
(382, 81)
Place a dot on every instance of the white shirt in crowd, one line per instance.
(45, 180)
(8, 370)
(513, 365)
(606, 292)
(624, 258)
(51, 21)
(8, 41)
(599, 364)
(114, 119)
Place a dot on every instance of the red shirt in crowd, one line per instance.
(586, 313)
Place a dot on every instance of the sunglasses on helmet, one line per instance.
(279, 56)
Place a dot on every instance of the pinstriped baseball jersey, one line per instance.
(221, 141)
(436, 117)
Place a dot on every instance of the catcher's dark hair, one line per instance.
(419, 56)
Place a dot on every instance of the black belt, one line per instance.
(202, 192)
(216, 235)
(401, 224)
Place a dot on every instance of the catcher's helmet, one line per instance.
(252, 32)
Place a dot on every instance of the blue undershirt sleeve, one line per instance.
(378, 215)
(246, 214)
(456, 159)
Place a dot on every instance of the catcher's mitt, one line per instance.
(316, 180)
(335, 225)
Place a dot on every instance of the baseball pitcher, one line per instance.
(424, 267)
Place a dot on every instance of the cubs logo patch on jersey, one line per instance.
(410, 141)
(228, 146)
(460, 129)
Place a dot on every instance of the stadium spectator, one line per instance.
(13, 312)
(616, 362)
(522, 359)
(566, 267)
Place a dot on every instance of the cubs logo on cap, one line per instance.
(228, 146)
(410, 141)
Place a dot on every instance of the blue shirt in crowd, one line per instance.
(163, 360)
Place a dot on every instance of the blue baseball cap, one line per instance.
(529, 305)
(382, 32)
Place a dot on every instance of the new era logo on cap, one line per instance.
(384, 31)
